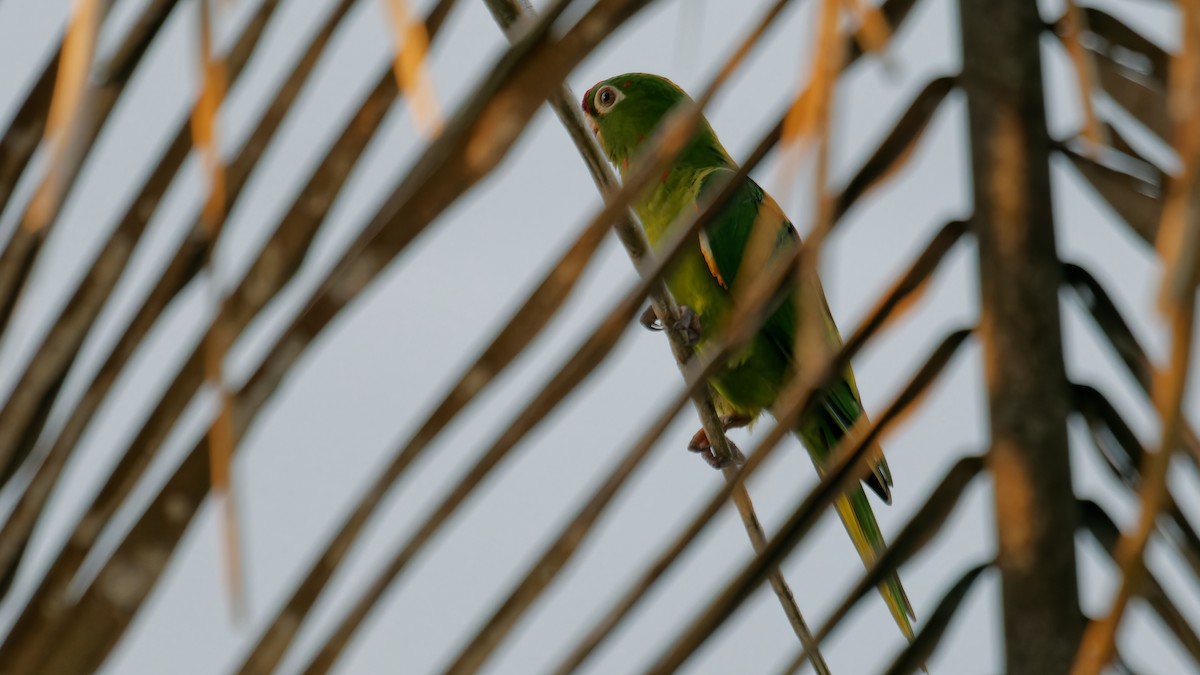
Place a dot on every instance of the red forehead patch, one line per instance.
(587, 97)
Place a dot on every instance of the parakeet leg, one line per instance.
(689, 323)
(649, 320)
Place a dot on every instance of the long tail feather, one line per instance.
(859, 520)
(820, 436)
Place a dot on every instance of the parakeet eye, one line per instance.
(607, 97)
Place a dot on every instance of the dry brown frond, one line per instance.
(1123, 453)
(26, 129)
(1072, 26)
(29, 636)
(1178, 245)
(897, 147)
(1136, 200)
(1106, 533)
(918, 652)
(1116, 36)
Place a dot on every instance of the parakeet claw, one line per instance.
(649, 320)
(688, 323)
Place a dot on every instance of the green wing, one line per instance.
(724, 242)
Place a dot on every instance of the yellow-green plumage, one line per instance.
(624, 111)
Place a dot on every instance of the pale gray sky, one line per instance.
(379, 369)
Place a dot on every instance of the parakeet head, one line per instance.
(623, 111)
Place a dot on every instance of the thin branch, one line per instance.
(638, 248)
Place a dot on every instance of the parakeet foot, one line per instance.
(688, 323)
(700, 442)
(716, 461)
(649, 320)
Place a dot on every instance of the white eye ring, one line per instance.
(607, 97)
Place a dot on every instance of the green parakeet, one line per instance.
(624, 111)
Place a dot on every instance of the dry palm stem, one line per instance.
(70, 112)
(813, 124)
(1178, 242)
(67, 135)
(409, 66)
(873, 32)
(217, 341)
